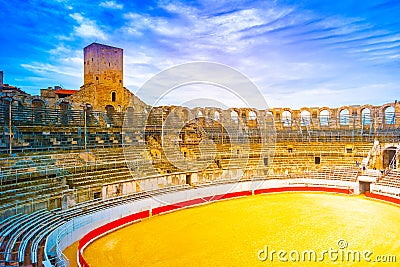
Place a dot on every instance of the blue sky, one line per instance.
(299, 53)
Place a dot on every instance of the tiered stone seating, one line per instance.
(87, 172)
(300, 157)
(344, 174)
(392, 179)
(22, 236)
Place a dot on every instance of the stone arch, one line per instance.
(234, 116)
(198, 112)
(344, 116)
(305, 117)
(286, 118)
(30, 100)
(366, 115)
(38, 103)
(252, 115)
(324, 117)
(217, 115)
(269, 118)
(389, 115)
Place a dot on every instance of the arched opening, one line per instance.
(234, 116)
(286, 118)
(38, 104)
(388, 156)
(252, 119)
(390, 117)
(199, 113)
(344, 117)
(252, 115)
(305, 118)
(113, 96)
(324, 117)
(366, 116)
(217, 116)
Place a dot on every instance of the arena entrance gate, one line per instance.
(388, 155)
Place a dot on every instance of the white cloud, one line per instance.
(46, 69)
(111, 4)
(87, 28)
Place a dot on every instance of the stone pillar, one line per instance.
(397, 113)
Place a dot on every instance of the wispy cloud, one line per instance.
(111, 5)
(48, 69)
(87, 28)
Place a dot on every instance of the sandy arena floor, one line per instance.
(242, 232)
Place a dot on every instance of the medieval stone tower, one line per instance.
(103, 80)
(103, 65)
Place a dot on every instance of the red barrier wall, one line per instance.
(383, 197)
(92, 235)
(104, 229)
(303, 189)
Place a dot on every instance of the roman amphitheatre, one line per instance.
(95, 178)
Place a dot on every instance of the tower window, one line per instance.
(113, 96)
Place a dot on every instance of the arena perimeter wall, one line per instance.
(199, 196)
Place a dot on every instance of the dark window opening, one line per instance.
(218, 162)
(266, 161)
(97, 195)
(188, 179)
(317, 160)
(113, 96)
